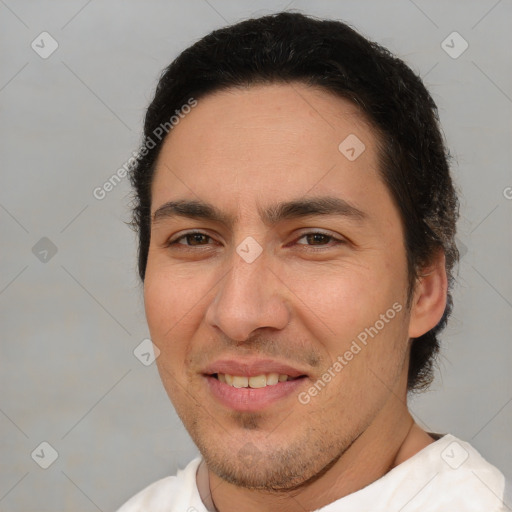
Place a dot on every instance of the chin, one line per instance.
(271, 469)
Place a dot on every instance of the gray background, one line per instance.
(70, 324)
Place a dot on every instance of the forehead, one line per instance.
(244, 146)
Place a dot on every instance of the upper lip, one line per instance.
(251, 367)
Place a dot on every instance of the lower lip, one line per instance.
(252, 399)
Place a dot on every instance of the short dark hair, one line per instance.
(290, 47)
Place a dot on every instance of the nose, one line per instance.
(250, 296)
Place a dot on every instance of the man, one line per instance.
(296, 221)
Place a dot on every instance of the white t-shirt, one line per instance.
(448, 475)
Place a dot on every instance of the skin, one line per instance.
(302, 301)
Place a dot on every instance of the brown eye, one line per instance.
(196, 238)
(193, 239)
(318, 239)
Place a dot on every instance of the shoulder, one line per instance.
(172, 493)
(448, 474)
(458, 476)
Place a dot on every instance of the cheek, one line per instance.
(166, 313)
(169, 302)
(159, 305)
(344, 298)
(348, 302)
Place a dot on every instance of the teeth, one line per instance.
(273, 378)
(257, 381)
(240, 382)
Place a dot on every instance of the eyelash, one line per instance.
(338, 241)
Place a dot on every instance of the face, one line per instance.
(276, 281)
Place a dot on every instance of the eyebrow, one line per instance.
(272, 215)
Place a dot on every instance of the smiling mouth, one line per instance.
(254, 382)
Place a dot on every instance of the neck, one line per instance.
(391, 438)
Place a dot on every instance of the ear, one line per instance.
(429, 299)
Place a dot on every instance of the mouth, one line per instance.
(251, 386)
(254, 382)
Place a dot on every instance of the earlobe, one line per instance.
(430, 297)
